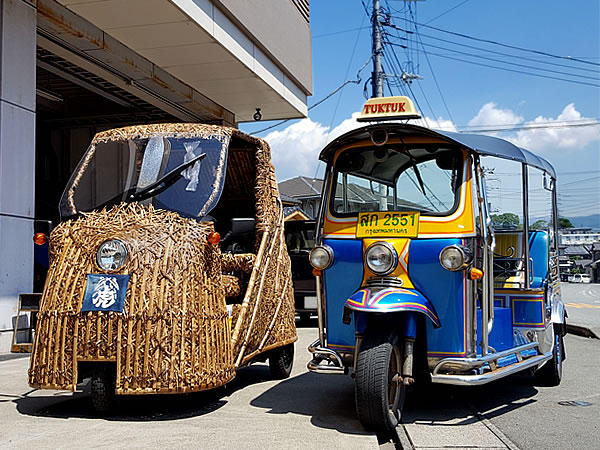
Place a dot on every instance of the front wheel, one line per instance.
(281, 361)
(379, 390)
(550, 374)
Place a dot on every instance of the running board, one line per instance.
(501, 372)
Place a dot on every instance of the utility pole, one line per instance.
(377, 74)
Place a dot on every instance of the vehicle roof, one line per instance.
(477, 143)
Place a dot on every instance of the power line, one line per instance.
(488, 41)
(508, 62)
(446, 12)
(515, 71)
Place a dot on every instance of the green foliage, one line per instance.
(506, 221)
(563, 222)
(539, 225)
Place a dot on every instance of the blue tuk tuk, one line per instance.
(419, 279)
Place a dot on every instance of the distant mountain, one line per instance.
(592, 221)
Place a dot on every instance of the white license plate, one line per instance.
(310, 302)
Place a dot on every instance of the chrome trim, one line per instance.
(334, 364)
(475, 380)
(320, 309)
(383, 282)
(391, 248)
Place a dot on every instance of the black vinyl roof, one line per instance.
(477, 143)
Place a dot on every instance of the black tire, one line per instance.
(550, 374)
(379, 391)
(103, 388)
(281, 361)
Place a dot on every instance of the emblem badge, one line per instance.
(105, 292)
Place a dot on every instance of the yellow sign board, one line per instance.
(387, 224)
(388, 108)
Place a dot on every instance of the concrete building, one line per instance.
(70, 68)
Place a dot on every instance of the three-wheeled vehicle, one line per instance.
(169, 270)
(419, 278)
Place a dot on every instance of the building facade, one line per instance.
(70, 68)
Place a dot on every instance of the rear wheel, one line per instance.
(379, 390)
(550, 374)
(103, 388)
(281, 361)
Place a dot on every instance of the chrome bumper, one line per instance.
(485, 368)
(325, 360)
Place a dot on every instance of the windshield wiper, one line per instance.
(417, 172)
(163, 182)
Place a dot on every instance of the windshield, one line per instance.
(396, 178)
(181, 174)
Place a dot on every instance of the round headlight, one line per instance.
(111, 255)
(321, 257)
(455, 258)
(381, 258)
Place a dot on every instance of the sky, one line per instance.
(451, 44)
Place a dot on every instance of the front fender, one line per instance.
(392, 300)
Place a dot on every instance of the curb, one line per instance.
(581, 331)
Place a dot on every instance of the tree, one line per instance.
(539, 225)
(507, 221)
(563, 222)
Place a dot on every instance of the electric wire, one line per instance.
(489, 41)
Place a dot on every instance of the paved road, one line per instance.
(514, 412)
(583, 304)
(304, 411)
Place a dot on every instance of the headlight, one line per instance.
(111, 255)
(381, 258)
(455, 258)
(321, 257)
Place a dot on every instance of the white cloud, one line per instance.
(295, 150)
(554, 140)
(543, 140)
(491, 115)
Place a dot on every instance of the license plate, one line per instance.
(310, 302)
(387, 224)
(105, 292)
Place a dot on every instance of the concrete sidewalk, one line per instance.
(304, 411)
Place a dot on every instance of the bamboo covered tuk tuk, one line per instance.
(194, 307)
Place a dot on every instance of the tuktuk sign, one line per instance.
(388, 108)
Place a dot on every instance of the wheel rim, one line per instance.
(394, 382)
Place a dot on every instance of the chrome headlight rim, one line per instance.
(388, 247)
(465, 254)
(120, 262)
(322, 247)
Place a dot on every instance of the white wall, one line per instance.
(17, 157)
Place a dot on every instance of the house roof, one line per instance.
(576, 250)
(301, 187)
(295, 213)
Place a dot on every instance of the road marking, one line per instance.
(582, 305)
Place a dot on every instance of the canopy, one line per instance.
(477, 143)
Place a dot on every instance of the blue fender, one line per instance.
(392, 300)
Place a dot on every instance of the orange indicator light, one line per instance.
(475, 273)
(317, 272)
(214, 238)
(39, 239)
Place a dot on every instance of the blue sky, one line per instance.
(466, 96)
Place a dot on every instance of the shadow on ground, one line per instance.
(443, 404)
(327, 399)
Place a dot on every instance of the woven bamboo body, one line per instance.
(173, 334)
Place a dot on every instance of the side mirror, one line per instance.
(242, 225)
